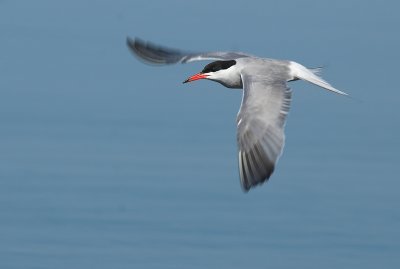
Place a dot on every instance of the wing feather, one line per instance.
(261, 121)
(155, 54)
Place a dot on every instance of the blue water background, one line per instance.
(109, 163)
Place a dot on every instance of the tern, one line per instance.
(265, 103)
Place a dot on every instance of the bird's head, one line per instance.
(217, 71)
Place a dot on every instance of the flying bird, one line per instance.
(265, 103)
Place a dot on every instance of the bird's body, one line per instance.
(268, 68)
(265, 103)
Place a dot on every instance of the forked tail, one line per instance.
(300, 72)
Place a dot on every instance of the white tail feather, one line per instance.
(317, 71)
(311, 75)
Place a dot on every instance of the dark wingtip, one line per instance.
(245, 189)
(140, 49)
(254, 178)
(135, 44)
(130, 42)
(153, 54)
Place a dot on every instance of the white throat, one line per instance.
(230, 77)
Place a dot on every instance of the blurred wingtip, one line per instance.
(133, 43)
(152, 54)
(130, 42)
(139, 49)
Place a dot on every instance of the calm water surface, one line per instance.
(109, 163)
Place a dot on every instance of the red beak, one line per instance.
(196, 77)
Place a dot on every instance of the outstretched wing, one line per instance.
(261, 122)
(156, 54)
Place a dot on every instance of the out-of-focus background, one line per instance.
(109, 163)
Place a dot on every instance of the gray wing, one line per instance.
(156, 54)
(261, 121)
